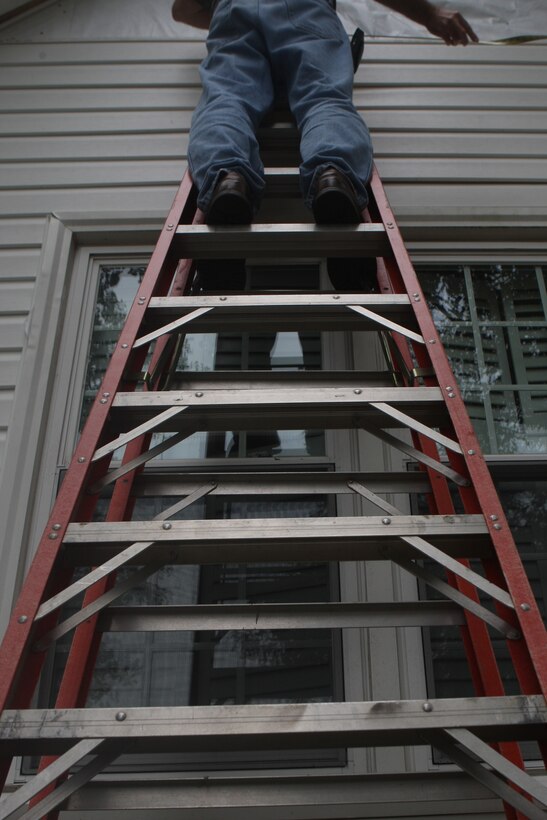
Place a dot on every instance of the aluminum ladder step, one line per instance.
(272, 726)
(300, 241)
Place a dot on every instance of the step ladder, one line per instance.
(413, 406)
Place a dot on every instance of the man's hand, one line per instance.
(449, 25)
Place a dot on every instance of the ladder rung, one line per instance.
(277, 539)
(280, 408)
(250, 379)
(205, 617)
(296, 796)
(282, 181)
(278, 483)
(278, 313)
(302, 241)
(272, 726)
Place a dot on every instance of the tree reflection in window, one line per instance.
(116, 290)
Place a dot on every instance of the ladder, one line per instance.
(413, 407)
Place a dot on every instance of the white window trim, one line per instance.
(29, 463)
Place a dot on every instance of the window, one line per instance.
(493, 323)
(218, 667)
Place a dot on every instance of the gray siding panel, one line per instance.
(9, 368)
(24, 233)
(190, 51)
(16, 297)
(103, 126)
(12, 331)
(52, 175)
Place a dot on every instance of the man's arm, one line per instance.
(192, 13)
(449, 25)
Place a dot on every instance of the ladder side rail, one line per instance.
(476, 639)
(79, 667)
(518, 650)
(528, 615)
(485, 674)
(85, 643)
(483, 665)
(80, 662)
(17, 639)
(498, 573)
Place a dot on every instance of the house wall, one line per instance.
(93, 137)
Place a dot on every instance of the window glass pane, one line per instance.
(446, 294)
(520, 421)
(493, 324)
(506, 292)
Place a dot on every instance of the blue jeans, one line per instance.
(256, 50)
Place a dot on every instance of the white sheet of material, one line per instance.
(491, 19)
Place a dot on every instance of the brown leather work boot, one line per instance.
(231, 201)
(335, 203)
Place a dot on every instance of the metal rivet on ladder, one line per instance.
(120, 716)
(52, 536)
(103, 401)
(525, 607)
(56, 527)
(386, 520)
(432, 341)
(497, 526)
(493, 518)
(198, 395)
(223, 298)
(167, 526)
(427, 707)
(81, 459)
(471, 452)
(358, 391)
(336, 296)
(125, 345)
(22, 619)
(170, 227)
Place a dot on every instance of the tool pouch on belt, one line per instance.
(357, 47)
(357, 42)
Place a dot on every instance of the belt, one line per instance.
(210, 5)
